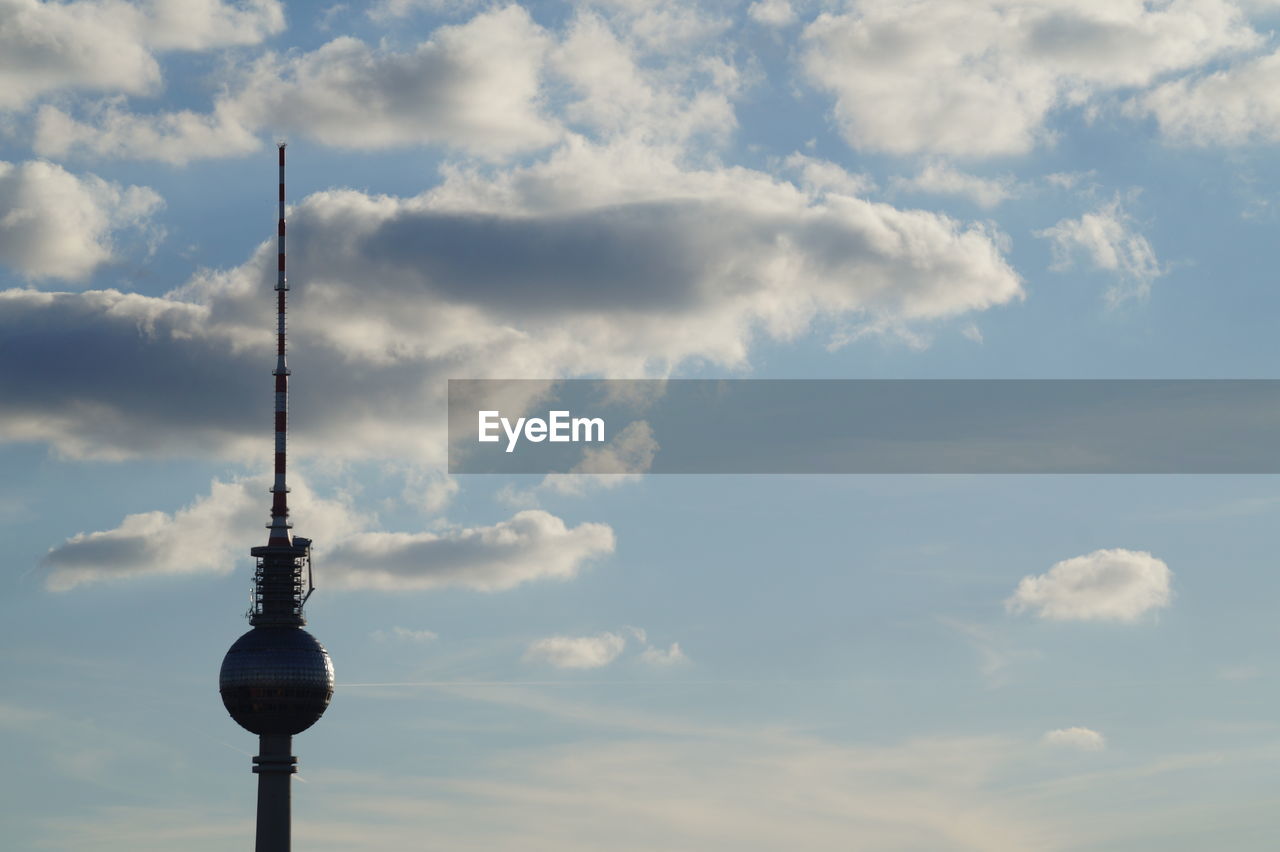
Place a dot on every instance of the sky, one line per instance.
(871, 189)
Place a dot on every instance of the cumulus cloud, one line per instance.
(632, 79)
(532, 545)
(938, 178)
(159, 543)
(473, 86)
(1080, 739)
(1105, 585)
(576, 652)
(1107, 237)
(54, 224)
(1237, 105)
(174, 137)
(92, 374)
(662, 28)
(593, 652)
(772, 13)
(980, 78)
(645, 71)
(107, 45)
(608, 260)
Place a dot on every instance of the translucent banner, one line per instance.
(585, 426)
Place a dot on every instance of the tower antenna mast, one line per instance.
(279, 489)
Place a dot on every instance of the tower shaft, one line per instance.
(274, 765)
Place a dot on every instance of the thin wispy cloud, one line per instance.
(1108, 239)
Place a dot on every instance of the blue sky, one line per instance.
(932, 189)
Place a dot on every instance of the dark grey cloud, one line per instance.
(156, 543)
(393, 296)
(631, 257)
(108, 373)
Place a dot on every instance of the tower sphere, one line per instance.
(276, 680)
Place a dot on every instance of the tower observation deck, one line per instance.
(276, 679)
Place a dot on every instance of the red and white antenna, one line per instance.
(280, 525)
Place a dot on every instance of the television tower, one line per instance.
(277, 680)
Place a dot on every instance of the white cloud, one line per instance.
(628, 85)
(54, 224)
(1107, 238)
(1080, 739)
(531, 545)
(203, 24)
(673, 28)
(980, 78)
(107, 45)
(941, 179)
(1237, 105)
(576, 652)
(772, 13)
(473, 86)
(175, 137)
(672, 656)
(226, 522)
(430, 489)
(1105, 585)
(592, 652)
(820, 176)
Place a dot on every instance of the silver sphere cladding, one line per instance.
(276, 680)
